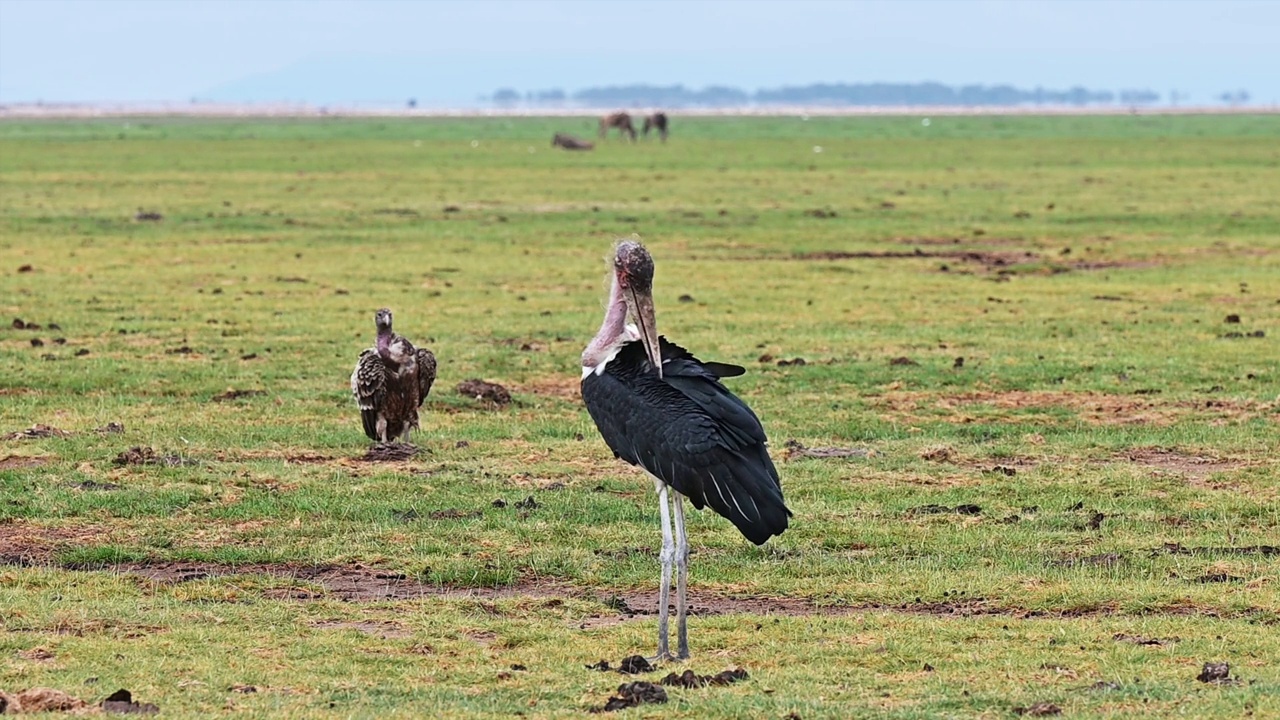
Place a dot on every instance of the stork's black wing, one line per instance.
(688, 430)
(368, 385)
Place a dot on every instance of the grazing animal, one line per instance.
(390, 381)
(659, 407)
(569, 142)
(619, 120)
(656, 121)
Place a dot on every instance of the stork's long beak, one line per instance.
(642, 307)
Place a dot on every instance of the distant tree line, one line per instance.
(928, 93)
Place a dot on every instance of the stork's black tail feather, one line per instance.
(745, 490)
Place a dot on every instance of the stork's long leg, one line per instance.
(682, 577)
(667, 556)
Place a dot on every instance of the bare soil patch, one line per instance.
(23, 544)
(389, 452)
(490, 394)
(37, 431)
(14, 462)
(143, 455)
(356, 583)
(1194, 467)
(1092, 407)
(384, 629)
(560, 387)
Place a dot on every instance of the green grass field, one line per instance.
(1117, 435)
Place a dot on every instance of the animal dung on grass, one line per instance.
(143, 455)
(37, 431)
(121, 701)
(484, 391)
(690, 679)
(633, 694)
(1218, 673)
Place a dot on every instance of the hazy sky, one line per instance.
(451, 52)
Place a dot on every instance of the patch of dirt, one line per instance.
(14, 462)
(1100, 560)
(1244, 550)
(489, 393)
(1039, 709)
(38, 700)
(236, 395)
(986, 259)
(389, 452)
(631, 695)
(794, 449)
(37, 654)
(355, 583)
(967, 509)
(38, 431)
(384, 629)
(94, 485)
(1143, 640)
(111, 428)
(560, 387)
(144, 455)
(1094, 408)
(1195, 467)
(938, 453)
(24, 544)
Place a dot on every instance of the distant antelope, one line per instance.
(619, 120)
(569, 142)
(657, 121)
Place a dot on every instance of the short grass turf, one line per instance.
(1056, 337)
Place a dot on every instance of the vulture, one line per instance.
(390, 381)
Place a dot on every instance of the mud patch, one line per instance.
(561, 388)
(144, 455)
(794, 449)
(1241, 551)
(1093, 408)
(230, 395)
(1143, 640)
(389, 452)
(15, 462)
(39, 700)
(1039, 709)
(1194, 467)
(491, 394)
(966, 509)
(386, 629)
(357, 583)
(26, 544)
(38, 431)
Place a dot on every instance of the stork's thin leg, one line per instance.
(667, 556)
(682, 577)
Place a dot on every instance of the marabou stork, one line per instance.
(390, 382)
(676, 420)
